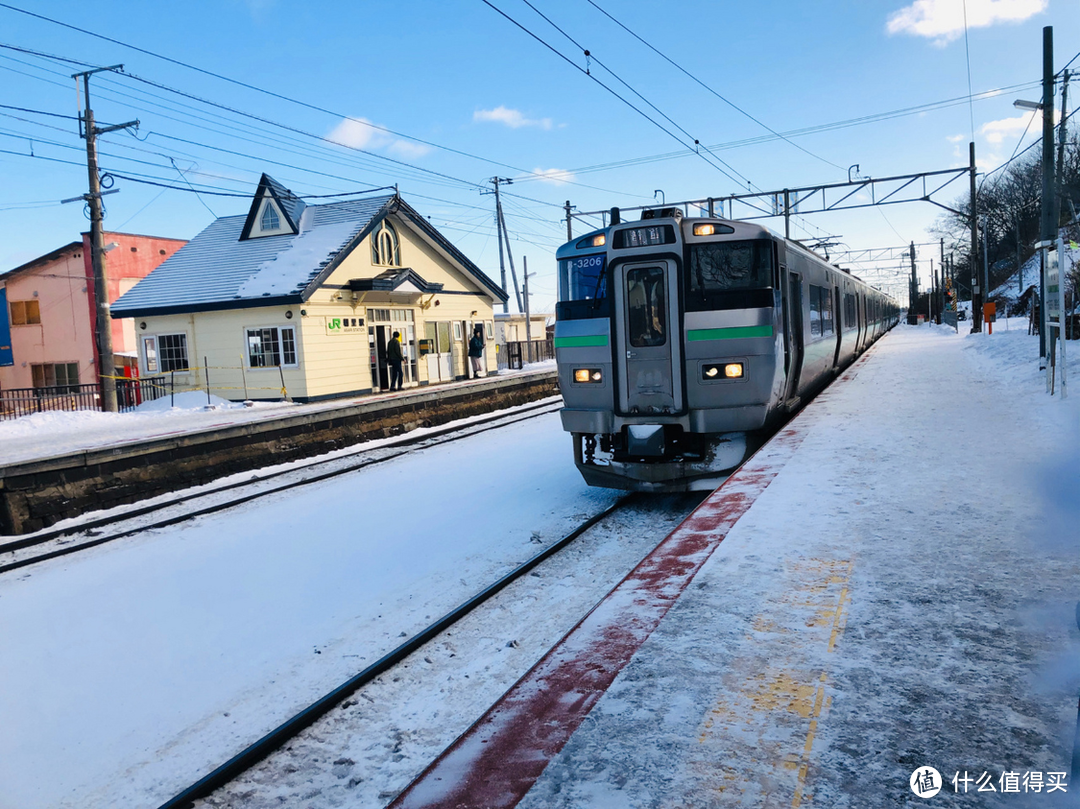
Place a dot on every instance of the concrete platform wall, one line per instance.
(37, 494)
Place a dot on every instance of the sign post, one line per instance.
(1055, 319)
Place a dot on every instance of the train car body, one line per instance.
(678, 340)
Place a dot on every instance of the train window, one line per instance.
(821, 311)
(724, 266)
(646, 309)
(849, 312)
(585, 277)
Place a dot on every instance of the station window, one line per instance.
(25, 313)
(165, 352)
(270, 219)
(271, 346)
(384, 246)
(52, 375)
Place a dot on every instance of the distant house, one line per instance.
(50, 311)
(306, 297)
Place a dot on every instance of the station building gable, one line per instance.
(264, 308)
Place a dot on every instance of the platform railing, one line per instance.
(517, 354)
(16, 402)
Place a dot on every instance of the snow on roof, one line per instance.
(216, 270)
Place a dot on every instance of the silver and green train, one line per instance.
(679, 341)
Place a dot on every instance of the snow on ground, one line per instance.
(42, 435)
(132, 669)
(901, 596)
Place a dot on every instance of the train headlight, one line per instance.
(723, 370)
(599, 241)
(588, 375)
(704, 229)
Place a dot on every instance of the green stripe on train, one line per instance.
(730, 333)
(585, 341)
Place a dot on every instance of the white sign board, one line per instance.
(1052, 280)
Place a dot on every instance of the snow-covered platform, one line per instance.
(888, 586)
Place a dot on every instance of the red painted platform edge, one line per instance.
(497, 760)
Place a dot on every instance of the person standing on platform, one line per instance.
(394, 359)
(476, 349)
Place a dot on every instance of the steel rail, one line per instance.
(408, 442)
(277, 738)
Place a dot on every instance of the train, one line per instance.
(681, 341)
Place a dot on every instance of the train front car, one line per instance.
(669, 344)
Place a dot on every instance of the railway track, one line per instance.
(175, 508)
(288, 731)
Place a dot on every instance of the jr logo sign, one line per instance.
(344, 325)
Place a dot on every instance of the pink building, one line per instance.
(52, 314)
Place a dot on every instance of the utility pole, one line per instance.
(103, 326)
(528, 317)
(973, 262)
(501, 228)
(913, 308)
(569, 228)
(1048, 219)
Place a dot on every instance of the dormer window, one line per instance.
(270, 219)
(384, 246)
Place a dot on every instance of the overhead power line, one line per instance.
(270, 93)
(695, 79)
(609, 90)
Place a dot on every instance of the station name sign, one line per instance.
(344, 325)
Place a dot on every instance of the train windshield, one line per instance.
(728, 266)
(586, 278)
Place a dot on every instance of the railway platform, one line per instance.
(877, 610)
(132, 458)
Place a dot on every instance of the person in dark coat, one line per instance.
(394, 359)
(476, 349)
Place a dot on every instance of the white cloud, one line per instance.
(555, 176)
(943, 20)
(512, 118)
(408, 149)
(956, 138)
(996, 131)
(360, 133)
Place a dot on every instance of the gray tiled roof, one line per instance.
(217, 271)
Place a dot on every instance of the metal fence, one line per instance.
(130, 393)
(517, 354)
(15, 402)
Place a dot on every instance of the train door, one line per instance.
(838, 326)
(793, 325)
(647, 304)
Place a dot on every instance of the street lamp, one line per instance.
(1031, 106)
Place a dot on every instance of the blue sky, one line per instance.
(468, 95)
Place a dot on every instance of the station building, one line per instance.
(306, 298)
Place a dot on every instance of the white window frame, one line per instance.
(385, 240)
(158, 356)
(281, 328)
(283, 227)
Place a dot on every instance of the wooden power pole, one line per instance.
(103, 326)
